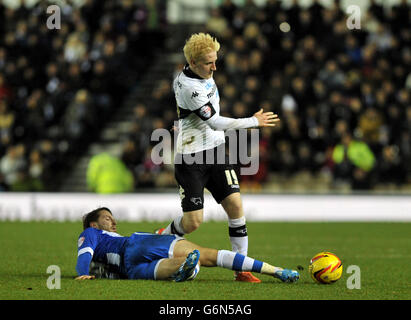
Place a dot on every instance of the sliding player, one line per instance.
(157, 257)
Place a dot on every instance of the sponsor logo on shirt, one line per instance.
(80, 241)
(212, 92)
(205, 111)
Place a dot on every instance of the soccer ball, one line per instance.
(325, 267)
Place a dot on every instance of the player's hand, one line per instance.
(266, 119)
(85, 277)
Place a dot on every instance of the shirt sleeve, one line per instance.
(197, 101)
(83, 264)
(87, 242)
(218, 122)
(208, 114)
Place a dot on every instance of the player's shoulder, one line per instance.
(90, 232)
(188, 84)
(194, 92)
(88, 236)
(112, 234)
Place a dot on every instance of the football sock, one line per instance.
(237, 261)
(175, 227)
(269, 269)
(238, 235)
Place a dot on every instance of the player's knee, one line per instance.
(192, 225)
(192, 220)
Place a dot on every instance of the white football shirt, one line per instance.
(198, 106)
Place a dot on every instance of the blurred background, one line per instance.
(78, 104)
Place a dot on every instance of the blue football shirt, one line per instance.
(100, 246)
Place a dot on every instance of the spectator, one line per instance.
(75, 49)
(377, 10)
(7, 119)
(228, 9)
(12, 163)
(216, 24)
(107, 174)
(36, 167)
(390, 168)
(25, 183)
(369, 126)
(5, 90)
(354, 162)
(163, 98)
(131, 157)
(80, 116)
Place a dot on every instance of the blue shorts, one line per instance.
(143, 252)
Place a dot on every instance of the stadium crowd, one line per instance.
(332, 86)
(59, 86)
(343, 95)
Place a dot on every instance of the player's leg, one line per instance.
(167, 267)
(150, 256)
(234, 261)
(191, 180)
(179, 269)
(224, 186)
(187, 223)
(238, 262)
(237, 228)
(208, 256)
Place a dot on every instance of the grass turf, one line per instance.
(381, 250)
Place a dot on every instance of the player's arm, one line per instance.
(217, 122)
(87, 242)
(198, 102)
(266, 119)
(85, 277)
(83, 266)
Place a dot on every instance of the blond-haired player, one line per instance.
(201, 132)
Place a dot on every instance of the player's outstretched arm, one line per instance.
(84, 277)
(266, 119)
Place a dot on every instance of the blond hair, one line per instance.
(198, 45)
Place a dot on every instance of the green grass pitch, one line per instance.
(382, 251)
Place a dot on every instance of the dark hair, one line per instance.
(93, 216)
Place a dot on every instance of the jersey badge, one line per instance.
(80, 241)
(205, 111)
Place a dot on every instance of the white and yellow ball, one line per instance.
(325, 267)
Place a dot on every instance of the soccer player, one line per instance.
(200, 133)
(152, 256)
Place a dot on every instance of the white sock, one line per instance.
(237, 262)
(238, 235)
(175, 227)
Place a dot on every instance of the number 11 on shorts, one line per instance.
(231, 177)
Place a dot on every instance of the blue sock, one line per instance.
(237, 261)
